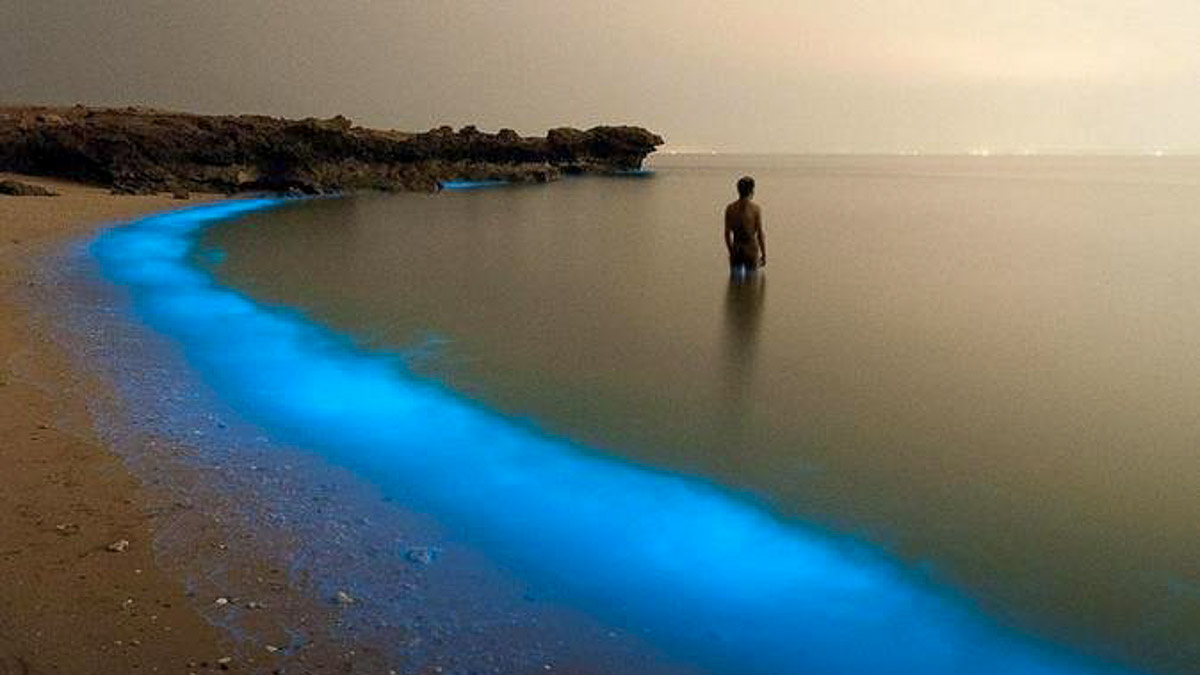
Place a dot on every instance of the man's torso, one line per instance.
(741, 217)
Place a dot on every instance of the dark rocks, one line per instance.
(15, 188)
(600, 149)
(135, 150)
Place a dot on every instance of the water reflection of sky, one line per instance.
(710, 575)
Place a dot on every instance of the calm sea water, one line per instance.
(988, 368)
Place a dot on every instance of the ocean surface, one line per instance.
(951, 427)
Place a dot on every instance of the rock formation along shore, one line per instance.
(138, 150)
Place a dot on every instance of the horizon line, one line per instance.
(977, 154)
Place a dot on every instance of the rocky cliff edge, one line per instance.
(139, 151)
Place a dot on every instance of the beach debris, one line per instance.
(224, 661)
(66, 529)
(272, 648)
(119, 546)
(343, 598)
(253, 604)
(221, 602)
(421, 555)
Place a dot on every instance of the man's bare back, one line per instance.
(744, 231)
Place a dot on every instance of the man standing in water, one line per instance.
(744, 231)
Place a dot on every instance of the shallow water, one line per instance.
(982, 368)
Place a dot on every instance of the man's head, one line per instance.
(745, 187)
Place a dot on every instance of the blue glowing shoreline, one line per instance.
(470, 184)
(721, 582)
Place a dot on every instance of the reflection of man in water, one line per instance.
(744, 231)
(744, 300)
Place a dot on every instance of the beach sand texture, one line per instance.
(71, 605)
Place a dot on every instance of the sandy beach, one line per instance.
(89, 586)
(72, 605)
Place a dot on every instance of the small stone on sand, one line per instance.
(421, 555)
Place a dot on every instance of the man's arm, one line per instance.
(728, 233)
(762, 238)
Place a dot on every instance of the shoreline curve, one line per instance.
(683, 559)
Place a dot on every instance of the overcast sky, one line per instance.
(755, 75)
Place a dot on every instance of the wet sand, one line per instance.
(108, 567)
(71, 605)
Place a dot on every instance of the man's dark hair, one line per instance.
(745, 186)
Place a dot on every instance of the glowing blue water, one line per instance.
(711, 576)
(635, 173)
(470, 184)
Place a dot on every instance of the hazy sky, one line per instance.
(757, 75)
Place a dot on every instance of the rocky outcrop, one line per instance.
(138, 150)
(16, 188)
